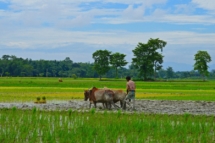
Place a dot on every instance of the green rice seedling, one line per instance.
(119, 112)
(38, 99)
(14, 109)
(186, 116)
(105, 112)
(70, 112)
(59, 126)
(43, 100)
(34, 110)
(92, 111)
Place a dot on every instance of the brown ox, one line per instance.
(96, 95)
(119, 95)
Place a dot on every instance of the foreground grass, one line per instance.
(87, 127)
(27, 89)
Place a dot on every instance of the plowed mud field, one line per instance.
(145, 106)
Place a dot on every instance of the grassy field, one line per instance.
(85, 127)
(27, 89)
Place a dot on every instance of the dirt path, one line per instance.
(146, 106)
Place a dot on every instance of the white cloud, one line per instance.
(163, 16)
(185, 19)
(159, 13)
(50, 37)
(137, 13)
(184, 9)
(61, 14)
(206, 4)
(134, 13)
(21, 45)
(147, 3)
(54, 9)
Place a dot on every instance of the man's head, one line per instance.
(128, 78)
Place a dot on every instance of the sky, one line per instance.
(56, 29)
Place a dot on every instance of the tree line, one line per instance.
(146, 65)
(15, 66)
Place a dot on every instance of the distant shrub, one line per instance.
(74, 76)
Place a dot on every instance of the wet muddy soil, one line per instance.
(145, 106)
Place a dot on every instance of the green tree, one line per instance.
(27, 70)
(162, 73)
(117, 61)
(141, 61)
(132, 71)
(2, 66)
(202, 58)
(67, 64)
(4, 62)
(5, 57)
(147, 58)
(158, 60)
(169, 72)
(102, 60)
(185, 74)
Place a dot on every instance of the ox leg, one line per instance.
(121, 104)
(109, 105)
(94, 104)
(112, 103)
(104, 105)
(124, 105)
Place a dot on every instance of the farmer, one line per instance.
(130, 87)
